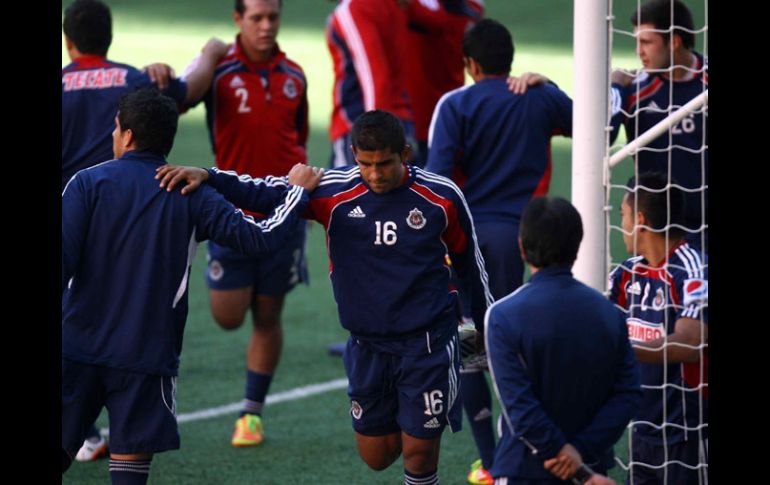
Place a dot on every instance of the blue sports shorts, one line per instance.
(271, 274)
(416, 394)
(141, 408)
(689, 452)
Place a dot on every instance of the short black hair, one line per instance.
(88, 24)
(659, 13)
(551, 230)
(490, 44)
(152, 117)
(662, 206)
(378, 130)
(240, 7)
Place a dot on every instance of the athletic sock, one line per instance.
(129, 472)
(477, 401)
(257, 385)
(430, 478)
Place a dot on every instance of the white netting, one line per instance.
(654, 103)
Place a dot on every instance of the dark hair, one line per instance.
(152, 117)
(240, 7)
(551, 230)
(661, 206)
(378, 130)
(88, 24)
(490, 44)
(659, 14)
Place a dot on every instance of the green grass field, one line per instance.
(308, 440)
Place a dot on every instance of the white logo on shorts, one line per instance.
(432, 424)
(216, 271)
(355, 409)
(483, 414)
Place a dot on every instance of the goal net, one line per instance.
(657, 121)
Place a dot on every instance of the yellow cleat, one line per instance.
(479, 475)
(248, 431)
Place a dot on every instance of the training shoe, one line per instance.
(94, 448)
(248, 431)
(479, 475)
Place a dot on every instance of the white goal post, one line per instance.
(590, 117)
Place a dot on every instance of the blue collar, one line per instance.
(551, 272)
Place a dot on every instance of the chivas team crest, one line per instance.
(415, 220)
(290, 89)
(355, 409)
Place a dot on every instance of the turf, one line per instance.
(308, 440)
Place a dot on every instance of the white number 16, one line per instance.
(386, 233)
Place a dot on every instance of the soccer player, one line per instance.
(257, 115)
(673, 74)
(92, 85)
(91, 88)
(664, 291)
(435, 56)
(126, 253)
(495, 145)
(389, 226)
(367, 40)
(558, 351)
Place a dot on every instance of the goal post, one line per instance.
(590, 137)
(668, 114)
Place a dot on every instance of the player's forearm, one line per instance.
(670, 351)
(254, 194)
(233, 229)
(608, 425)
(524, 414)
(199, 79)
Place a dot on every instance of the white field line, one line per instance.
(290, 395)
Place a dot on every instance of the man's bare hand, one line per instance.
(160, 74)
(520, 84)
(171, 175)
(622, 77)
(565, 463)
(305, 176)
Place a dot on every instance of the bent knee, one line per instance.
(229, 307)
(228, 320)
(379, 463)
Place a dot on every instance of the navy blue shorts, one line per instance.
(416, 394)
(689, 452)
(271, 274)
(141, 408)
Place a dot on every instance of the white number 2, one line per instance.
(386, 233)
(433, 402)
(244, 95)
